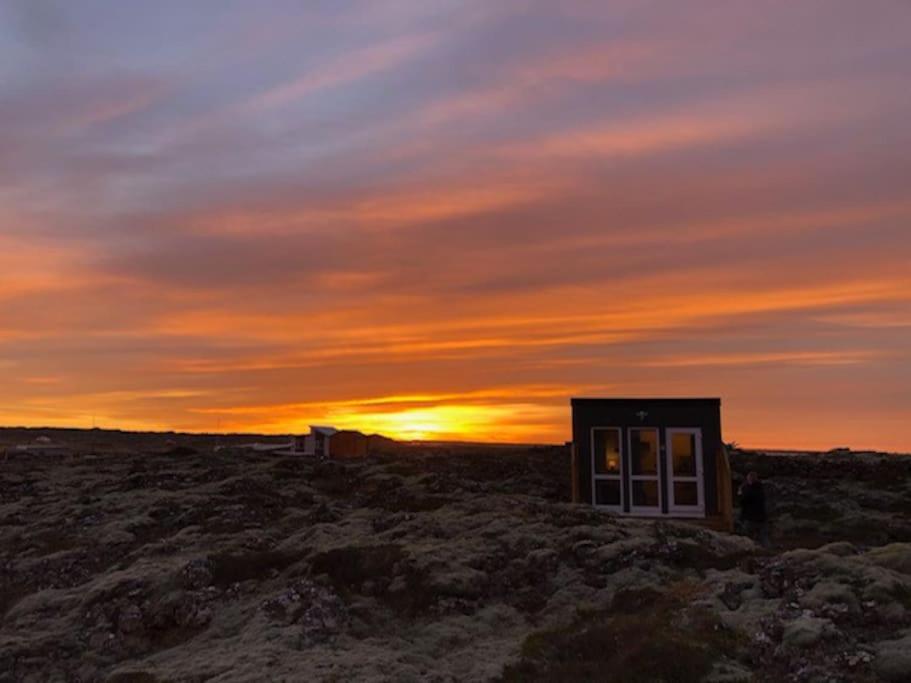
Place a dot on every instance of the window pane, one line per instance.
(645, 493)
(607, 492)
(644, 443)
(607, 451)
(686, 493)
(683, 447)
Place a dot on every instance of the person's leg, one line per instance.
(746, 527)
(764, 534)
(752, 529)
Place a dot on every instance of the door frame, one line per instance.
(646, 510)
(610, 477)
(697, 510)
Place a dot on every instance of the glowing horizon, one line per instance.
(441, 220)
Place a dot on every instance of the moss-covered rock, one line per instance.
(806, 631)
(893, 659)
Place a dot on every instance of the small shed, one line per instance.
(316, 442)
(329, 442)
(652, 457)
(44, 446)
(349, 444)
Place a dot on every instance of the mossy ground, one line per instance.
(646, 636)
(444, 563)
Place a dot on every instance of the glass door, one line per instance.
(645, 488)
(607, 468)
(684, 467)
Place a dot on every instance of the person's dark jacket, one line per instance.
(752, 502)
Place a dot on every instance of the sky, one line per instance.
(441, 219)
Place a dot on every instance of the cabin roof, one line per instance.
(323, 429)
(643, 399)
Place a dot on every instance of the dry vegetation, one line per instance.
(437, 564)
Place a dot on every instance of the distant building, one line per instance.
(316, 443)
(652, 457)
(349, 444)
(258, 447)
(329, 442)
(43, 445)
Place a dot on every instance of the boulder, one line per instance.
(895, 556)
(459, 581)
(893, 659)
(806, 631)
(828, 594)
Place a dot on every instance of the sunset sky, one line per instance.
(443, 218)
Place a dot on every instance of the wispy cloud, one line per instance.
(763, 358)
(343, 70)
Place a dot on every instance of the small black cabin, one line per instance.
(652, 457)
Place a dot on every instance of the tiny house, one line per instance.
(329, 442)
(316, 443)
(652, 457)
(349, 444)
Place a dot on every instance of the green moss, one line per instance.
(645, 637)
(903, 596)
(818, 512)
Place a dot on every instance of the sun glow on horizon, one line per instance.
(493, 423)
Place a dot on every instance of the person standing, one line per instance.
(753, 513)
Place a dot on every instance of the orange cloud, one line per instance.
(762, 358)
(489, 414)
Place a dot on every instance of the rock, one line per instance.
(129, 620)
(895, 556)
(544, 558)
(853, 660)
(893, 659)
(806, 631)
(839, 548)
(193, 614)
(829, 594)
(620, 553)
(398, 585)
(583, 550)
(892, 613)
(100, 639)
(197, 573)
(323, 514)
(727, 671)
(884, 587)
(186, 609)
(463, 582)
(774, 581)
(317, 610)
(731, 595)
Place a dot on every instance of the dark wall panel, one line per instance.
(662, 413)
